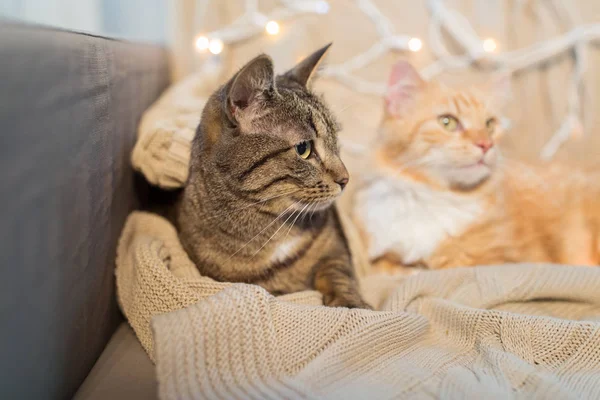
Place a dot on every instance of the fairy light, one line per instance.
(272, 27)
(444, 21)
(202, 43)
(215, 46)
(489, 45)
(322, 7)
(415, 44)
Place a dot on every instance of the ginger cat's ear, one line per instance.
(404, 85)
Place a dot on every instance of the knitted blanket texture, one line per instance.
(514, 331)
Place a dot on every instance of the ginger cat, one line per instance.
(439, 195)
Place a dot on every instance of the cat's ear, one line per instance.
(250, 85)
(305, 70)
(404, 85)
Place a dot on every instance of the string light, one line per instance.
(415, 44)
(202, 43)
(444, 21)
(215, 46)
(489, 45)
(272, 28)
(322, 7)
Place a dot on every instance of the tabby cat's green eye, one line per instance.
(304, 149)
(449, 122)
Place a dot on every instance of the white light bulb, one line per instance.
(489, 45)
(415, 44)
(202, 43)
(272, 28)
(322, 7)
(215, 46)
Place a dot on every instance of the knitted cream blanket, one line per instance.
(519, 331)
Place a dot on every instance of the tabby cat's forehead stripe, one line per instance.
(261, 161)
(319, 123)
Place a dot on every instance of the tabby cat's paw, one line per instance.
(356, 302)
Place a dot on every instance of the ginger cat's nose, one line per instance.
(485, 145)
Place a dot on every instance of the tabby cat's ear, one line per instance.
(250, 85)
(305, 70)
(404, 85)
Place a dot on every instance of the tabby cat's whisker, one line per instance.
(264, 229)
(308, 210)
(273, 235)
(347, 107)
(296, 219)
(313, 211)
(251, 205)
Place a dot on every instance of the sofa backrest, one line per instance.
(69, 108)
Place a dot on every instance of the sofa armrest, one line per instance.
(69, 108)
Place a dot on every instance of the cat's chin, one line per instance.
(468, 177)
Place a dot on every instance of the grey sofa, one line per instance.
(69, 107)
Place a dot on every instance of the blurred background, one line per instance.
(141, 20)
(549, 46)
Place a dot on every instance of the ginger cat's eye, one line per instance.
(490, 125)
(449, 122)
(304, 149)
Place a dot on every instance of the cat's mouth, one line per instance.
(478, 164)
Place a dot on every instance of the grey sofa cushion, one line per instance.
(123, 371)
(69, 107)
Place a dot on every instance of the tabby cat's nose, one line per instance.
(342, 182)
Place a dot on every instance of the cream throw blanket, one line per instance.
(519, 331)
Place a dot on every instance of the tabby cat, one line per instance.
(265, 170)
(440, 195)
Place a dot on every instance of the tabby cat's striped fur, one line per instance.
(253, 209)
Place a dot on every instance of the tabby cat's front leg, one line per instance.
(336, 281)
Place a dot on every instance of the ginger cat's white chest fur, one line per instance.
(409, 219)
